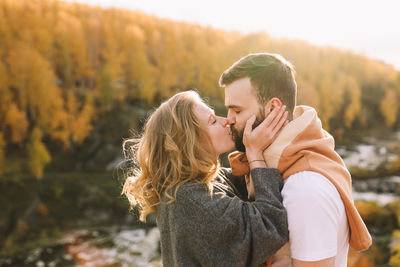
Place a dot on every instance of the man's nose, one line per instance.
(230, 119)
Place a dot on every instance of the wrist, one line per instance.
(258, 155)
(258, 163)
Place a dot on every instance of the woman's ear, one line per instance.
(271, 104)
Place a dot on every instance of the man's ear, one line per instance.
(271, 104)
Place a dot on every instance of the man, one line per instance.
(322, 218)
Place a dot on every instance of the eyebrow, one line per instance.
(233, 106)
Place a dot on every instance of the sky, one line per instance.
(367, 27)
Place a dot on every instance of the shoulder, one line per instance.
(196, 196)
(312, 190)
(308, 179)
(195, 204)
(309, 184)
(190, 192)
(189, 201)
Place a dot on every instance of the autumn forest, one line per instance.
(64, 65)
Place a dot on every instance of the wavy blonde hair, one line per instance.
(168, 154)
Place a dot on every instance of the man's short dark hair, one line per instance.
(270, 75)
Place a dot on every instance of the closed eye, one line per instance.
(212, 119)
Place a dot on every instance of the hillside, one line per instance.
(69, 71)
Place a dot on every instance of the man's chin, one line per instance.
(239, 145)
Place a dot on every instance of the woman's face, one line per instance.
(216, 128)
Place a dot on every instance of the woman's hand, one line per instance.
(258, 139)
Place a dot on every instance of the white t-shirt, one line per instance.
(317, 219)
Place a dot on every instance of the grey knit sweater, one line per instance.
(223, 230)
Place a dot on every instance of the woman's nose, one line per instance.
(229, 121)
(223, 121)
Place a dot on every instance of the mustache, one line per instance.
(237, 135)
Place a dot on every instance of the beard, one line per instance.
(237, 134)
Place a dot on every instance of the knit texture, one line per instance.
(199, 229)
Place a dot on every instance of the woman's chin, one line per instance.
(232, 147)
(228, 148)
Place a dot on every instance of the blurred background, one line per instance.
(79, 77)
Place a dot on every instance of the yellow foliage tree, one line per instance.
(71, 60)
(330, 98)
(36, 91)
(354, 107)
(18, 123)
(79, 118)
(139, 74)
(82, 123)
(33, 25)
(389, 106)
(37, 153)
(5, 95)
(307, 94)
(106, 82)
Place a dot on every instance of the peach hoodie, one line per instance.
(304, 146)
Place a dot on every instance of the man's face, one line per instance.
(241, 102)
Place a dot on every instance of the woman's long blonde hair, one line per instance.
(168, 154)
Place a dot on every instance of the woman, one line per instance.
(202, 220)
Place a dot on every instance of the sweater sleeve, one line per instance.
(226, 230)
(238, 183)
